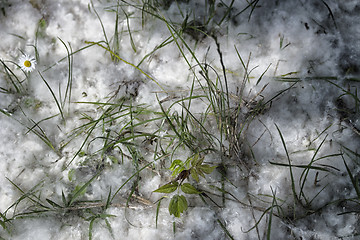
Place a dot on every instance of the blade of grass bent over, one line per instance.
(305, 173)
(69, 82)
(290, 166)
(53, 94)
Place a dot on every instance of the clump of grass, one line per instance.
(30, 204)
(299, 195)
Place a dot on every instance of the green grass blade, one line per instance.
(101, 23)
(135, 174)
(290, 165)
(354, 180)
(129, 30)
(53, 204)
(10, 73)
(268, 232)
(108, 200)
(116, 42)
(53, 94)
(306, 171)
(91, 225)
(306, 167)
(70, 78)
(79, 192)
(63, 198)
(261, 76)
(224, 229)
(157, 211)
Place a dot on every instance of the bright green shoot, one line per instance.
(192, 166)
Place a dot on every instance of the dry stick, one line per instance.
(224, 70)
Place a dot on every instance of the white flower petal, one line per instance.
(27, 63)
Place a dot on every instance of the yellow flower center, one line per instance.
(27, 63)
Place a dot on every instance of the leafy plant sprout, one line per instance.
(27, 63)
(182, 170)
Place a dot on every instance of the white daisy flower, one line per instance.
(27, 63)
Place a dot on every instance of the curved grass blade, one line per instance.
(290, 165)
(53, 94)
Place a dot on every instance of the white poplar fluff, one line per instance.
(243, 116)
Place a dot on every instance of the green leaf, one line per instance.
(207, 168)
(52, 203)
(198, 170)
(81, 154)
(79, 191)
(168, 188)
(64, 199)
(194, 159)
(175, 163)
(199, 161)
(189, 189)
(194, 174)
(113, 159)
(187, 163)
(178, 204)
(177, 171)
(71, 174)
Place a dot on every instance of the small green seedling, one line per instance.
(193, 167)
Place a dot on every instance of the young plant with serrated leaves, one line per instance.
(194, 167)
